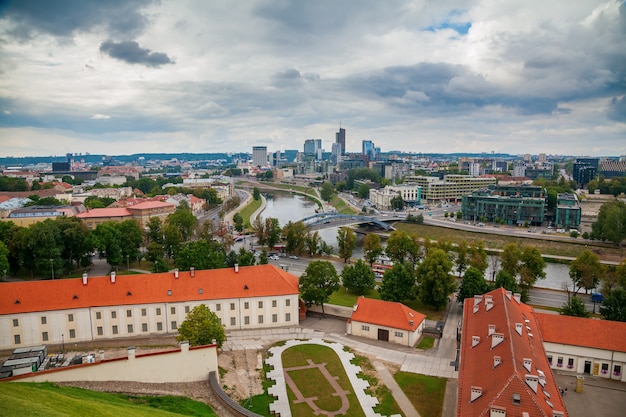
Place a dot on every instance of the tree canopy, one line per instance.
(435, 283)
(473, 283)
(585, 271)
(346, 242)
(611, 223)
(574, 307)
(318, 282)
(358, 278)
(398, 283)
(201, 327)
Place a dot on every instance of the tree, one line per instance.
(506, 281)
(184, 220)
(398, 283)
(473, 283)
(397, 203)
(272, 230)
(75, 237)
(614, 305)
(364, 191)
(201, 327)
(106, 237)
(130, 233)
(531, 269)
(611, 224)
(155, 230)
(346, 242)
(435, 283)
(462, 258)
(295, 235)
(399, 246)
(46, 245)
(312, 241)
(327, 191)
(574, 307)
(358, 278)
(318, 282)
(238, 221)
(200, 254)
(478, 257)
(259, 230)
(510, 259)
(256, 194)
(585, 271)
(4, 259)
(372, 247)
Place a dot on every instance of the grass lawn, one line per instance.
(341, 297)
(48, 400)
(427, 342)
(248, 210)
(493, 241)
(312, 383)
(425, 392)
(341, 206)
(387, 405)
(260, 404)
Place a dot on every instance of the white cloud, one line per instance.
(99, 116)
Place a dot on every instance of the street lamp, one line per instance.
(52, 267)
(62, 343)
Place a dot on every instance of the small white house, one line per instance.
(386, 320)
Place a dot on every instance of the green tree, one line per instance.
(574, 307)
(263, 258)
(397, 203)
(4, 260)
(327, 191)
(46, 245)
(238, 221)
(312, 242)
(75, 238)
(131, 239)
(256, 194)
(364, 191)
(273, 230)
(183, 220)
(614, 305)
(346, 242)
(473, 283)
(462, 257)
(295, 235)
(586, 271)
(200, 254)
(318, 282)
(478, 257)
(106, 237)
(201, 327)
(611, 223)
(358, 278)
(398, 283)
(372, 247)
(399, 246)
(259, 230)
(155, 230)
(532, 268)
(435, 283)
(510, 259)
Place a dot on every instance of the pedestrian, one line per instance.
(565, 391)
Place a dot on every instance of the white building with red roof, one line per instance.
(387, 321)
(584, 346)
(504, 371)
(96, 308)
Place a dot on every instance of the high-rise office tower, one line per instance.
(340, 138)
(259, 156)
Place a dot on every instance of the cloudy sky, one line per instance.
(127, 76)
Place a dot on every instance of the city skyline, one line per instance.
(143, 76)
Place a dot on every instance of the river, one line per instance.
(293, 207)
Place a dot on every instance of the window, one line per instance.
(287, 303)
(130, 328)
(366, 328)
(16, 322)
(115, 330)
(44, 320)
(44, 336)
(570, 363)
(72, 334)
(517, 399)
(273, 303)
(129, 313)
(158, 311)
(173, 325)
(113, 314)
(246, 305)
(605, 368)
(218, 307)
(98, 315)
(559, 361)
(246, 320)
(260, 319)
(143, 312)
(17, 339)
(159, 327)
(70, 317)
(233, 322)
(260, 304)
(274, 318)
(617, 370)
(232, 306)
(100, 331)
(144, 327)
(173, 310)
(288, 317)
(186, 309)
(398, 334)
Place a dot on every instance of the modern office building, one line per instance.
(449, 189)
(512, 204)
(568, 211)
(259, 156)
(340, 139)
(368, 149)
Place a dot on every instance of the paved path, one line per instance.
(403, 401)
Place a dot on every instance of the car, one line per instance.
(274, 258)
(293, 257)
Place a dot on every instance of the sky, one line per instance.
(120, 77)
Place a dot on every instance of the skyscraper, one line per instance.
(259, 156)
(340, 139)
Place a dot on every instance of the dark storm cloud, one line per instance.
(132, 53)
(63, 18)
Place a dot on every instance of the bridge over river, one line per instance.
(334, 219)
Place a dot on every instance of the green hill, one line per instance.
(48, 400)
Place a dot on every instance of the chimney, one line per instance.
(509, 294)
(236, 267)
(85, 278)
(518, 328)
(531, 381)
(492, 329)
(192, 271)
(411, 323)
(518, 297)
(528, 363)
(112, 277)
(131, 353)
(475, 393)
(477, 299)
(497, 360)
(176, 273)
(557, 413)
(496, 339)
(475, 340)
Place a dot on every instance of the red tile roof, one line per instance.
(578, 331)
(104, 212)
(386, 313)
(250, 281)
(150, 205)
(498, 384)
